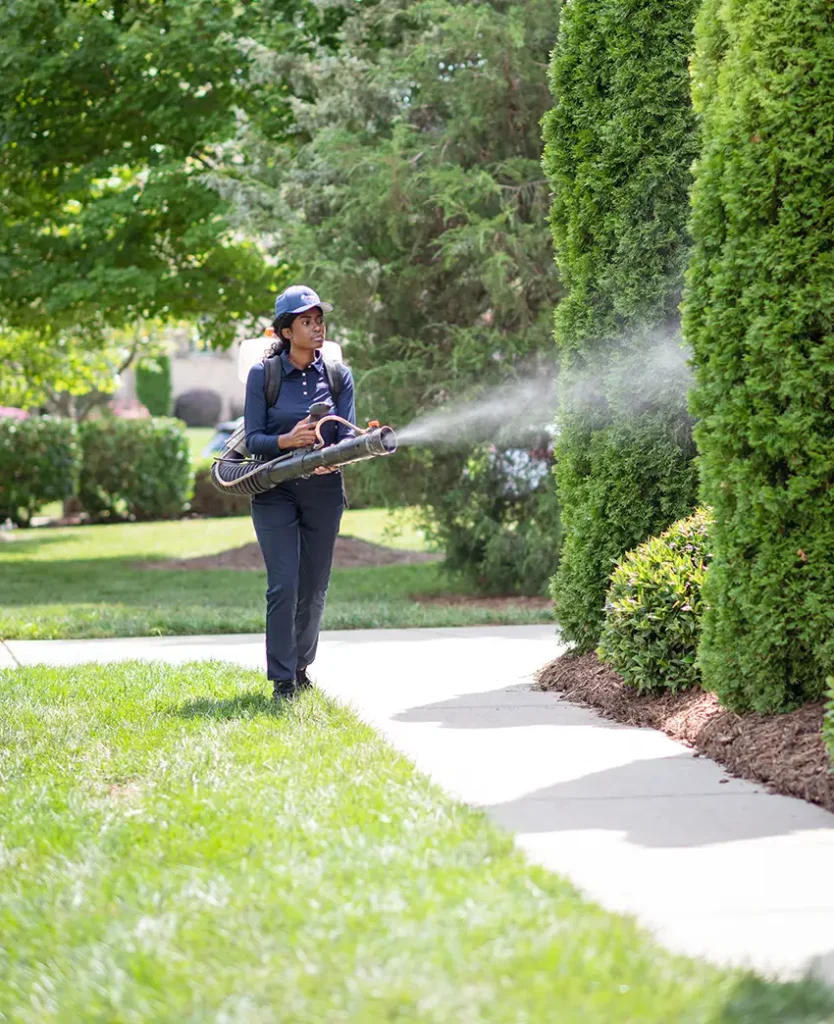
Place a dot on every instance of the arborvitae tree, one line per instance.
(759, 312)
(153, 385)
(619, 144)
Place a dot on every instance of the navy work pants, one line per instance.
(296, 524)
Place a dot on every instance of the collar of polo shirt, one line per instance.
(317, 364)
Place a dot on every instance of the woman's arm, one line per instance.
(345, 405)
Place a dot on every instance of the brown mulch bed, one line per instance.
(350, 553)
(785, 752)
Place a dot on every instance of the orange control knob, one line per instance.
(373, 423)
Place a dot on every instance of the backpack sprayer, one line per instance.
(235, 472)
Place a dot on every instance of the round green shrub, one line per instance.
(39, 463)
(134, 469)
(654, 607)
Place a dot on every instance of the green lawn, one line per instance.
(84, 582)
(175, 848)
(198, 438)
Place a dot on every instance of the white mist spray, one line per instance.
(510, 413)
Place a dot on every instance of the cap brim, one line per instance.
(325, 307)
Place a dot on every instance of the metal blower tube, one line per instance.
(380, 441)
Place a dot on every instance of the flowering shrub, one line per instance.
(11, 413)
(653, 608)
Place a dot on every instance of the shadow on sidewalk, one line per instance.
(659, 803)
(504, 708)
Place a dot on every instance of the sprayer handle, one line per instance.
(317, 410)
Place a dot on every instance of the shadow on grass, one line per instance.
(18, 542)
(244, 705)
(113, 579)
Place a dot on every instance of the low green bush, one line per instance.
(654, 607)
(39, 463)
(134, 468)
(209, 501)
(498, 522)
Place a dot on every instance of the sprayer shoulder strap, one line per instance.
(274, 373)
(335, 377)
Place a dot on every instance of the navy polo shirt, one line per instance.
(299, 390)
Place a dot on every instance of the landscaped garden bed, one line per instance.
(784, 752)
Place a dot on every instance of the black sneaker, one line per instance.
(302, 680)
(283, 689)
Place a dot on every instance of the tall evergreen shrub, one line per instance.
(759, 312)
(153, 385)
(620, 140)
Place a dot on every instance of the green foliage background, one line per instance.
(619, 143)
(414, 199)
(759, 313)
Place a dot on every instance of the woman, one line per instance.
(296, 523)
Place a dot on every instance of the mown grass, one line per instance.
(198, 438)
(88, 582)
(176, 848)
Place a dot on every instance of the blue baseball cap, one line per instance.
(298, 298)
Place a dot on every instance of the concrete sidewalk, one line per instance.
(714, 866)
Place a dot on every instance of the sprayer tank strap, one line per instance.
(274, 375)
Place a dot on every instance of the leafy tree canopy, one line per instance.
(111, 112)
(415, 196)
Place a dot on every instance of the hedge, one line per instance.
(39, 463)
(134, 468)
(619, 144)
(759, 312)
(654, 607)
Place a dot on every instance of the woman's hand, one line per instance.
(322, 470)
(302, 435)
